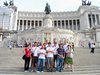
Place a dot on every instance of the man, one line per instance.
(50, 52)
(60, 58)
(34, 51)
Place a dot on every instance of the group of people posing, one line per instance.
(48, 56)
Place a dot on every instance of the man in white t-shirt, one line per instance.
(50, 52)
(41, 59)
(34, 51)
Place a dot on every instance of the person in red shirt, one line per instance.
(27, 52)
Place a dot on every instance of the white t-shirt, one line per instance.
(35, 51)
(65, 47)
(55, 49)
(92, 45)
(71, 54)
(50, 54)
(41, 56)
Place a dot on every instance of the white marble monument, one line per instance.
(47, 21)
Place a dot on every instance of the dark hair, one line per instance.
(49, 42)
(25, 45)
(35, 42)
(29, 44)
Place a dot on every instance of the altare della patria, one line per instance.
(79, 26)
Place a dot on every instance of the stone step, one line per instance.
(78, 70)
(83, 68)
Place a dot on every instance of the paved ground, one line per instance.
(85, 63)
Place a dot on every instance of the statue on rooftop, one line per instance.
(89, 3)
(84, 2)
(47, 9)
(6, 3)
(11, 3)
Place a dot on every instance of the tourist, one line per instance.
(50, 52)
(34, 51)
(89, 44)
(27, 53)
(92, 47)
(55, 47)
(60, 58)
(41, 59)
(66, 50)
(69, 57)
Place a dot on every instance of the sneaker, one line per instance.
(57, 71)
(38, 71)
(32, 70)
(25, 71)
(42, 71)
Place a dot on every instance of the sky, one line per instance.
(55, 5)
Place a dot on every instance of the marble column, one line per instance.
(30, 24)
(57, 23)
(60, 23)
(99, 18)
(68, 25)
(0, 36)
(34, 23)
(76, 25)
(64, 24)
(26, 24)
(95, 19)
(22, 25)
(18, 25)
(91, 20)
(72, 25)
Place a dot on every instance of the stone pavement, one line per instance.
(85, 63)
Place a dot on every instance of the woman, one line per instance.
(27, 52)
(69, 57)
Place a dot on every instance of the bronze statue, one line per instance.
(89, 3)
(47, 9)
(11, 2)
(5, 3)
(84, 2)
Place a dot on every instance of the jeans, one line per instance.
(41, 64)
(59, 64)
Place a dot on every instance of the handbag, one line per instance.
(24, 56)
